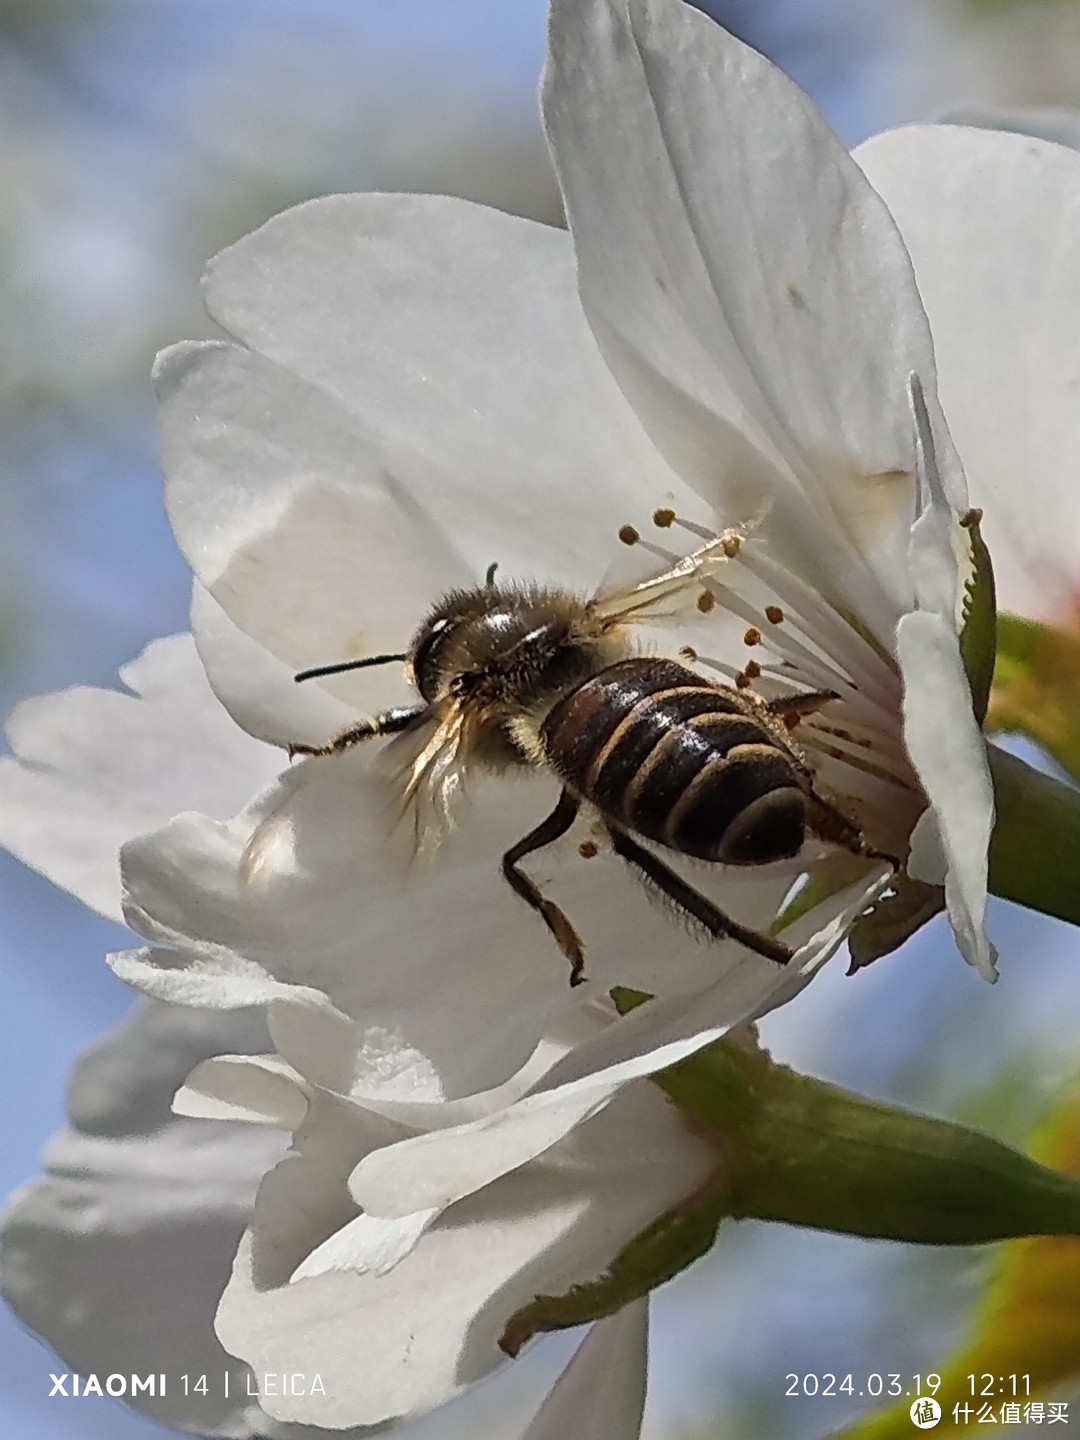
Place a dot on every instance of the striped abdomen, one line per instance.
(661, 752)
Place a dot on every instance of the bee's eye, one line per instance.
(425, 661)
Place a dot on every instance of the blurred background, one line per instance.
(137, 137)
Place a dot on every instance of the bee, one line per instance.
(523, 675)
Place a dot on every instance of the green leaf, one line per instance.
(1035, 847)
(1037, 687)
(794, 1149)
(978, 633)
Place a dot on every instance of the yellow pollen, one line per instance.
(773, 614)
(706, 601)
(752, 636)
(628, 535)
(588, 850)
(663, 519)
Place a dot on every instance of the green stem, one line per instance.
(1035, 850)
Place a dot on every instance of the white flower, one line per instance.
(575, 1154)
(990, 220)
(417, 388)
(119, 1253)
(390, 1251)
(413, 394)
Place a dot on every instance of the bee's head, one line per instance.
(509, 641)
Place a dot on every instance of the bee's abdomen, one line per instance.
(663, 753)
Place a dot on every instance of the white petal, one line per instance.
(748, 288)
(431, 1326)
(94, 767)
(750, 988)
(453, 336)
(123, 1084)
(1059, 123)
(991, 221)
(445, 1165)
(445, 962)
(949, 754)
(936, 531)
(601, 1393)
(117, 1256)
(259, 1089)
(368, 1245)
(284, 513)
(258, 690)
(926, 859)
(440, 1167)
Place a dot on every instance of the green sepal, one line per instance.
(667, 1246)
(904, 908)
(813, 1155)
(1037, 687)
(978, 630)
(797, 1150)
(1035, 847)
(826, 1159)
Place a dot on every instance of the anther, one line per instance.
(731, 545)
(752, 636)
(742, 680)
(588, 850)
(706, 601)
(664, 518)
(773, 614)
(752, 670)
(688, 653)
(628, 535)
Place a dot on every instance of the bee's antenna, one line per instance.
(347, 665)
(489, 577)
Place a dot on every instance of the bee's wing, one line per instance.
(423, 768)
(673, 593)
(426, 766)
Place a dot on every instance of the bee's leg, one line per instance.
(390, 722)
(792, 708)
(549, 830)
(828, 822)
(696, 905)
